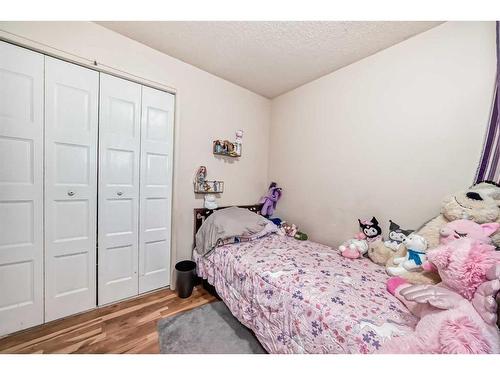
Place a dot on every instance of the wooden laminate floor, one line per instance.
(125, 327)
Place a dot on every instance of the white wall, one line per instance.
(207, 108)
(387, 136)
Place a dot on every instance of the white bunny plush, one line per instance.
(415, 256)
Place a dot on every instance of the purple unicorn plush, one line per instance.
(270, 200)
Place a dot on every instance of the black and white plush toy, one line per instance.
(370, 229)
(396, 236)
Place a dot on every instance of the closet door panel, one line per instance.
(21, 188)
(156, 189)
(119, 150)
(71, 116)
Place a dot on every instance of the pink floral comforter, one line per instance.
(303, 297)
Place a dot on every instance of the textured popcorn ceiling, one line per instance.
(269, 58)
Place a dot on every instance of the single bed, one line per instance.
(303, 297)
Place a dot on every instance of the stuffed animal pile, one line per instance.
(449, 320)
(457, 250)
(269, 202)
(478, 204)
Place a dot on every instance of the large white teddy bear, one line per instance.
(480, 203)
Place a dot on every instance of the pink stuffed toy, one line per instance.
(449, 321)
(484, 298)
(466, 228)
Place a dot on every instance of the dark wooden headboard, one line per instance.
(200, 214)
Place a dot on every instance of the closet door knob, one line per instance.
(71, 193)
(119, 193)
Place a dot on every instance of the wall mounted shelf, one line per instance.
(227, 155)
(209, 187)
(226, 148)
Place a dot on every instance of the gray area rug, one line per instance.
(210, 329)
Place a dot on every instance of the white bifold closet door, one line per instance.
(71, 117)
(119, 152)
(21, 188)
(157, 131)
(135, 188)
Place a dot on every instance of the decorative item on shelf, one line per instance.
(238, 142)
(209, 187)
(204, 186)
(217, 147)
(209, 202)
(201, 175)
(227, 148)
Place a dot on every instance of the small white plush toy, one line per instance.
(416, 247)
(354, 248)
(210, 202)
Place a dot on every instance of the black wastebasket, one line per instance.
(185, 272)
